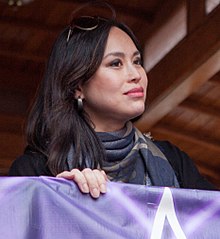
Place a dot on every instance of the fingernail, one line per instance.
(103, 188)
(95, 192)
(85, 188)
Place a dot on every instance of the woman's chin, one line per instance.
(137, 114)
(139, 110)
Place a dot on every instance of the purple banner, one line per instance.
(51, 208)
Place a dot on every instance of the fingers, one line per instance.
(77, 177)
(88, 180)
(96, 181)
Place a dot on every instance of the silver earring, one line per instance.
(79, 104)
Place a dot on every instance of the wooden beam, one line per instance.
(169, 100)
(195, 14)
(13, 103)
(11, 123)
(129, 10)
(201, 108)
(191, 63)
(11, 145)
(208, 169)
(21, 55)
(15, 80)
(5, 165)
(188, 136)
(186, 57)
(210, 173)
(164, 12)
(216, 78)
(29, 25)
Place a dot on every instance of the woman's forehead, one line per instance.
(119, 41)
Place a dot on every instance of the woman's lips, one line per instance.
(135, 92)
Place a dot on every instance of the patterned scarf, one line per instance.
(134, 158)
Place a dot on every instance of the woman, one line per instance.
(80, 124)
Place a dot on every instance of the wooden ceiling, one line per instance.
(184, 86)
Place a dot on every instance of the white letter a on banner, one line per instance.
(166, 209)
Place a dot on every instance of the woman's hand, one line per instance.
(88, 180)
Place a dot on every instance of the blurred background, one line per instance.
(181, 42)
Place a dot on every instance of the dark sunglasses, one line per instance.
(85, 23)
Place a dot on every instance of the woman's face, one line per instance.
(116, 93)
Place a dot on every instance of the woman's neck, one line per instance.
(108, 127)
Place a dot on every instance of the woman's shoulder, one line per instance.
(169, 149)
(30, 163)
(174, 155)
(185, 169)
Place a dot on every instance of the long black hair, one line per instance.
(55, 124)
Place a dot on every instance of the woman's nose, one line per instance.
(134, 74)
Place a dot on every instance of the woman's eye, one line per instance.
(138, 61)
(116, 63)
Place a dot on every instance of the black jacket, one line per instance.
(32, 163)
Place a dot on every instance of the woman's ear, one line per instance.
(79, 93)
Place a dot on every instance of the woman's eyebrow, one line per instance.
(120, 54)
(136, 53)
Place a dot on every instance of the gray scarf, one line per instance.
(134, 158)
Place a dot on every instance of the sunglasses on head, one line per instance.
(85, 23)
(89, 23)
